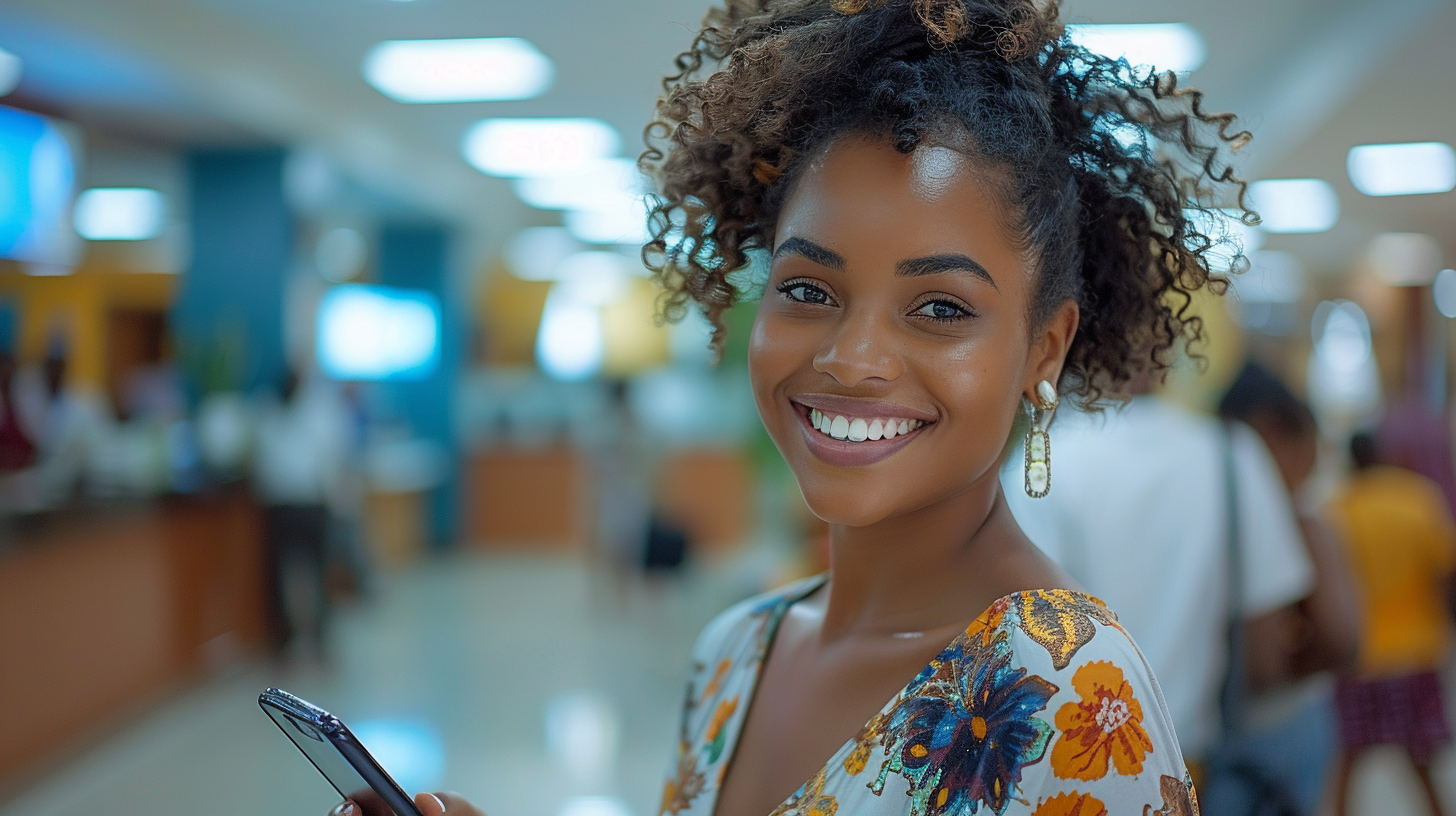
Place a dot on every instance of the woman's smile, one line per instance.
(850, 431)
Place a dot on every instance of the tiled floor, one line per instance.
(476, 650)
(536, 687)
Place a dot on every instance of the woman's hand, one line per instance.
(430, 804)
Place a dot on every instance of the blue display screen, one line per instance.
(37, 183)
(378, 333)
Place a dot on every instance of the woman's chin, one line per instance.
(846, 511)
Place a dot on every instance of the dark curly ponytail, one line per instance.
(1112, 177)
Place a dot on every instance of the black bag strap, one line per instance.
(1233, 691)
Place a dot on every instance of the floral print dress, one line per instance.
(1043, 706)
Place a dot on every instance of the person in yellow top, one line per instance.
(1402, 547)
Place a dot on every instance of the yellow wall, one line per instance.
(74, 309)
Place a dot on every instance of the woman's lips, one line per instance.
(837, 445)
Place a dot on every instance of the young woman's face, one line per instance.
(895, 320)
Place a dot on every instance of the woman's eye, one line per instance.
(805, 293)
(942, 310)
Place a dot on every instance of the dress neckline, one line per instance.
(765, 644)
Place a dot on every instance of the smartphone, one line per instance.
(337, 754)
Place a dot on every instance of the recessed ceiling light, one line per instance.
(538, 147)
(1402, 169)
(473, 70)
(1295, 205)
(119, 214)
(1163, 46)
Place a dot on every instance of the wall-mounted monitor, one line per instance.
(37, 183)
(378, 333)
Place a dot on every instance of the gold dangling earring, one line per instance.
(1038, 443)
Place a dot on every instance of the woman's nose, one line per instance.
(860, 348)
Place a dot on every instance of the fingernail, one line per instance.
(344, 808)
(437, 801)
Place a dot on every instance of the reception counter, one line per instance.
(107, 609)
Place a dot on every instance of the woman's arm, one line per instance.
(1317, 633)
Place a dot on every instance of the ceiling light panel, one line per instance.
(600, 185)
(120, 214)
(1402, 169)
(1295, 205)
(1163, 46)
(538, 147)
(473, 70)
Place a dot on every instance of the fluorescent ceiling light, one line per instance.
(10, 66)
(1402, 169)
(600, 185)
(1445, 292)
(1163, 46)
(474, 70)
(119, 214)
(538, 147)
(624, 225)
(1295, 205)
(1230, 235)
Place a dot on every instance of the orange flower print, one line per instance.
(1106, 724)
(809, 800)
(864, 745)
(714, 736)
(718, 673)
(685, 786)
(1071, 804)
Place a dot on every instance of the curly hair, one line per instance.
(1111, 176)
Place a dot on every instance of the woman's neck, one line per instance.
(936, 566)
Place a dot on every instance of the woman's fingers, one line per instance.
(445, 804)
(345, 808)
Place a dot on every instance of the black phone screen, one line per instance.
(327, 757)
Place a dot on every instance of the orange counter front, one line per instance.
(105, 610)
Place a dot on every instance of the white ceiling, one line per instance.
(1310, 77)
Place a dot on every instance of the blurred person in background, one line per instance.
(297, 473)
(1143, 515)
(1402, 547)
(953, 239)
(1287, 730)
(17, 449)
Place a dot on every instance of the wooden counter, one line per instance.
(106, 610)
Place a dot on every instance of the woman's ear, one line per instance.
(1049, 346)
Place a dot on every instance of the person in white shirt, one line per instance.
(1139, 514)
(298, 473)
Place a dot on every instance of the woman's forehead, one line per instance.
(935, 196)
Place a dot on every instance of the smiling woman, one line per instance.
(958, 229)
(966, 216)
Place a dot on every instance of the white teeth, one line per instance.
(858, 429)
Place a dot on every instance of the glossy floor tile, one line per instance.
(538, 687)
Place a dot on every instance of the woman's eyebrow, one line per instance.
(814, 252)
(935, 264)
